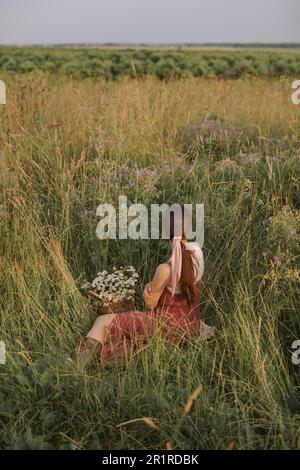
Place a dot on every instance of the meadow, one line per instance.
(69, 143)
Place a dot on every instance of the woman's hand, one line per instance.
(148, 287)
(148, 296)
(154, 289)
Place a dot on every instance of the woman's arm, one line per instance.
(153, 290)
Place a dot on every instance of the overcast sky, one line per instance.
(149, 21)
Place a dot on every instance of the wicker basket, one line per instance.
(113, 307)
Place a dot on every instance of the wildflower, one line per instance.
(208, 127)
(248, 184)
(251, 158)
(116, 286)
(226, 163)
(285, 225)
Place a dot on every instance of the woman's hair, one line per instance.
(187, 278)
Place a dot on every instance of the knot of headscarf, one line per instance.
(176, 262)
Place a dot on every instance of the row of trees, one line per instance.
(163, 63)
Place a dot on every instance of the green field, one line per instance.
(163, 62)
(68, 144)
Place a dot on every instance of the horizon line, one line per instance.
(188, 43)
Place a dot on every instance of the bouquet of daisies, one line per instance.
(113, 291)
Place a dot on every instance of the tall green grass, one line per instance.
(68, 145)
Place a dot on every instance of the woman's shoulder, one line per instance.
(163, 270)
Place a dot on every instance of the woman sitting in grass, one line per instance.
(172, 301)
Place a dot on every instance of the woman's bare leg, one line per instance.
(100, 327)
(94, 340)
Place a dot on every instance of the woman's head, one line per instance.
(180, 226)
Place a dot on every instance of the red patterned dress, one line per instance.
(173, 318)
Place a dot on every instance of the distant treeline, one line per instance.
(112, 63)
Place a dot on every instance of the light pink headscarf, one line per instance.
(176, 262)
